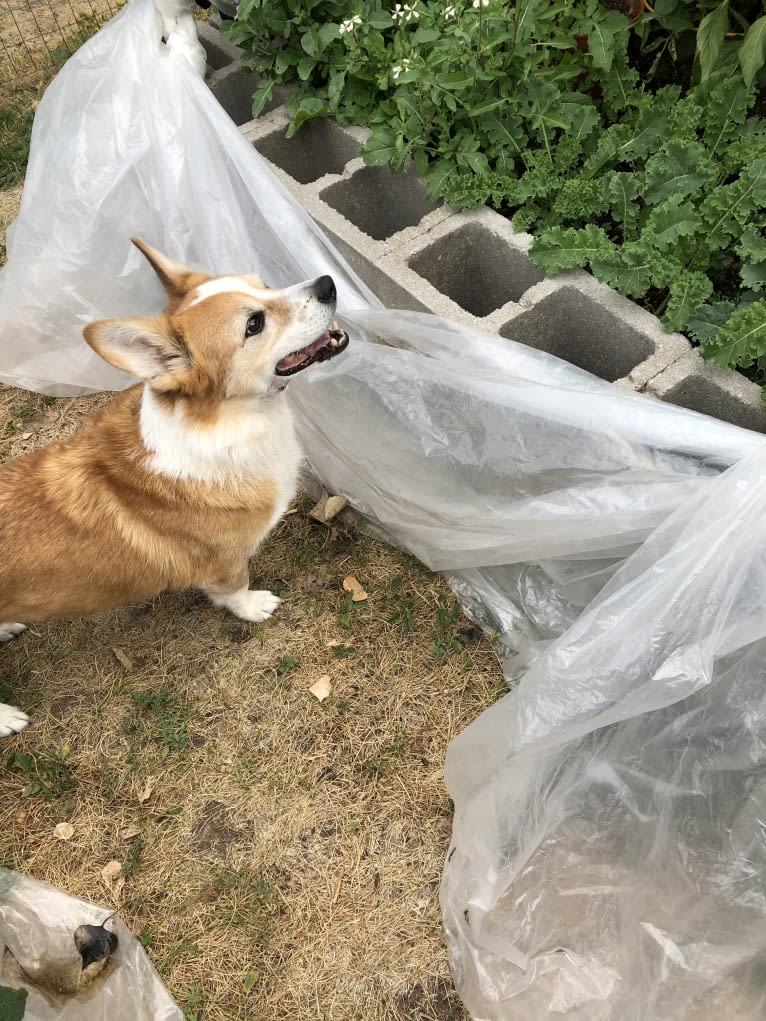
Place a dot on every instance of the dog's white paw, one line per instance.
(12, 720)
(255, 606)
(9, 630)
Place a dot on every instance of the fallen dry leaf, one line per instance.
(333, 507)
(25, 436)
(116, 889)
(146, 793)
(130, 832)
(317, 511)
(111, 871)
(350, 584)
(334, 643)
(63, 831)
(328, 507)
(321, 689)
(126, 661)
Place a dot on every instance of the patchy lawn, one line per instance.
(280, 856)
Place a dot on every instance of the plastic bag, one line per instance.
(526, 480)
(76, 961)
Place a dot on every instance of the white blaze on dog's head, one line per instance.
(221, 338)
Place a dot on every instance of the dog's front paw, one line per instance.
(9, 630)
(12, 720)
(254, 606)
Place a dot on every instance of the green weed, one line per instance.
(50, 773)
(165, 721)
(447, 637)
(343, 651)
(388, 759)
(286, 666)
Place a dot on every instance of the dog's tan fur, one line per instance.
(85, 524)
(108, 516)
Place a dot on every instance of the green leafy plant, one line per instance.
(50, 774)
(668, 207)
(629, 138)
(12, 1003)
(457, 87)
(163, 719)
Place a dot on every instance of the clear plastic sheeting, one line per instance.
(609, 829)
(609, 849)
(76, 961)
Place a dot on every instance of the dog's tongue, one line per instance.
(299, 356)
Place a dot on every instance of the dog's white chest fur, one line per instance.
(251, 440)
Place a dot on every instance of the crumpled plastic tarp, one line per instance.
(610, 850)
(608, 816)
(72, 973)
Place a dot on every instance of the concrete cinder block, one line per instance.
(229, 84)
(694, 383)
(466, 266)
(469, 266)
(664, 348)
(378, 277)
(379, 203)
(588, 324)
(311, 165)
(567, 324)
(318, 149)
(234, 91)
(220, 52)
(474, 264)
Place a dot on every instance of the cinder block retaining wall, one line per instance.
(469, 266)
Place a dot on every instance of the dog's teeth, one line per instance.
(333, 342)
(334, 325)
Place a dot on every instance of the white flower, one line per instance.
(350, 24)
(450, 12)
(403, 14)
(399, 69)
(481, 3)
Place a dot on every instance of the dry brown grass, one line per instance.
(9, 207)
(288, 851)
(37, 36)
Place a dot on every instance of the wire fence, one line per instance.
(37, 36)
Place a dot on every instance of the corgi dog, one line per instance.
(177, 482)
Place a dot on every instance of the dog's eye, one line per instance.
(255, 324)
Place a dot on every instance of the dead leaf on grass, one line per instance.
(350, 584)
(146, 793)
(130, 832)
(328, 507)
(63, 831)
(126, 661)
(111, 871)
(114, 878)
(322, 688)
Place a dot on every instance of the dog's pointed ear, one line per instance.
(147, 348)
(174, 277)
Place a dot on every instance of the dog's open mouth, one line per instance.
(330, 344)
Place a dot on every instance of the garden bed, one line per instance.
(629, 140)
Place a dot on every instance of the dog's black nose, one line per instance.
(324, 289)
